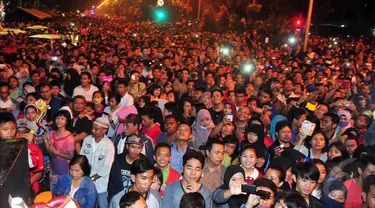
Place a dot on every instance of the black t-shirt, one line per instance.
(82, 125)
(119, 177)
(216, 116)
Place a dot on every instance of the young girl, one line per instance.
(98, 100)
(337, 149)
(249, 158)
(110, 112)
(60, 146)
(106, 89)
(155, 93)
(15, 90)
(186, 113)
(31, 112)
(202, 128)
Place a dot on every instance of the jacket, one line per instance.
(172, 176)
(86, 194)
(101, 160)
(148, 148)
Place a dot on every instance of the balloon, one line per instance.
(57, 201)
(38, 205)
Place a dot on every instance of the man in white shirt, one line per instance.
(85, 89)
(6, 103)
(126, 98)
(99, 150)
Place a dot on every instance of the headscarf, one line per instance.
(234, 109)
(238, 200)
(201, 135)
(274, 121)
(147, 103)
(31, 124)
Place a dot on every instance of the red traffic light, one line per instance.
(298, 22)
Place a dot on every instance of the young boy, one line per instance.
(36, 159)
(193, 163)
(150, 128)
(8, 126)
(8, 130)
(277, 175)
(306, 176)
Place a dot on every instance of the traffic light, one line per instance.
(161, 14)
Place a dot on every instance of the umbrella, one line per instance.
(14, 30)
(37, 27)
(48, 36)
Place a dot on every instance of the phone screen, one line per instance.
(230, 117)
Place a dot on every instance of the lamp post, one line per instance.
(308, 23)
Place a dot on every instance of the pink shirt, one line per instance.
(64, 144)
(354, 199)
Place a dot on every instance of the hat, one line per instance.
(311, 88)
(103, 122)
(133, 118)
(21, 123)
(134, 139)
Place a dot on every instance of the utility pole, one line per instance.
(308, 23)
(199, 9)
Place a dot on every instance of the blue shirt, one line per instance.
(176, 161)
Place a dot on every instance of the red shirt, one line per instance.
(38, 163)
(172, 176)
(354, 199)
(153, 133)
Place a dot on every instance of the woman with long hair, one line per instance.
(60, 146)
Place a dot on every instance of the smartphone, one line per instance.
(230, 117)
(249, 189)
(308, 127)
(54, 58)
(252, 189)
(132, 77)
(346, 104)
(282, 146)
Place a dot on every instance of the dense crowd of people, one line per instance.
(158, 115)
